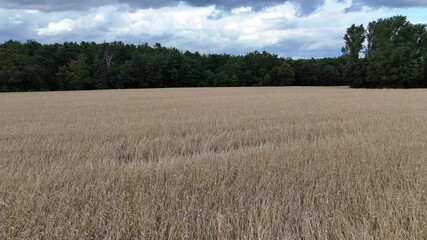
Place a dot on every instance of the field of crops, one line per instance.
(224, 163)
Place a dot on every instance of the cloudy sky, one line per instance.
(289, 28)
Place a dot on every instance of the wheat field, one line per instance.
(225, 163)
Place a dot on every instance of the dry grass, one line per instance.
(245, 163)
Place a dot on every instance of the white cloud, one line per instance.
(30, 11)
(16, 20)
(241, 10)
(55, 28)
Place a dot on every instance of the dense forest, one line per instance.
(389, 52)
(394, 54)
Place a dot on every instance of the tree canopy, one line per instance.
(89, 65)
(395, 55)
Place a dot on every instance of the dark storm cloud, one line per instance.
(393, 3)
(306, 6)
(358, 4)
(53, 5)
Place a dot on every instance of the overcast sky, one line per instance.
(289, 28)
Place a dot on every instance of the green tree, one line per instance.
(354, 38)
(74, 75)
(396, 53)
(222, 79)
(306, 71)
(173, 63)
(208, 79)
(101, 71)
(282, 75)
(234, 80)
(44, 57)
(18, 71)
(330, 75)
(266, 81)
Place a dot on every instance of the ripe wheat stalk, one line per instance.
(235, 163)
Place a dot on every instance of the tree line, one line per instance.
(89, 65)
(391, 52)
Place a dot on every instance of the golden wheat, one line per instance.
(234, 163)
